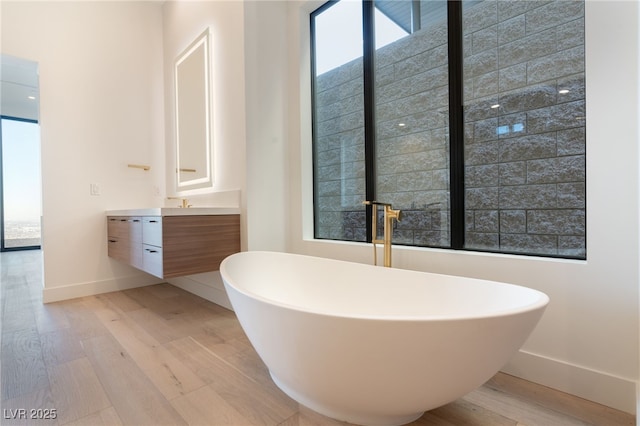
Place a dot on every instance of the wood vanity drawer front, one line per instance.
(125, 227)
(118, 248)
(124, 237)
(135, 229)
(135, 256)
(152, 231)
(118, 227)
(196, 244)
(152, 260)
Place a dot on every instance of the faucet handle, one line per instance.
(392, 213)
(375, 203)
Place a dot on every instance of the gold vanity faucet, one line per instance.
(389, 215)
(185, 202)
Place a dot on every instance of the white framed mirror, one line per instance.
(194, 115)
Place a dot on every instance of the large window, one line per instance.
(20, 192)
(468, 116)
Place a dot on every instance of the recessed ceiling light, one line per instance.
(31, 97)
(494, 106)
(563, 91)
(401, 124)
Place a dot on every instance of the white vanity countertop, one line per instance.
(175, 211)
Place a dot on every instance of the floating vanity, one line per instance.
(173, 242)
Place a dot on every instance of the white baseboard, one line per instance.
(612, 391)
(208, 287)
(55, 294)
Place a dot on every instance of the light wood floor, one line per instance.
(159, 355)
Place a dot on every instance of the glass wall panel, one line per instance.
(338, 108)
(412, 118)
(21, 183)
(524, 96)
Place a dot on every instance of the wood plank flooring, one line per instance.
(159, 355)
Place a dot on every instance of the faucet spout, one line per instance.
(185, 202)
(390, 215)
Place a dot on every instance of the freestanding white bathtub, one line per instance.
(372, 345)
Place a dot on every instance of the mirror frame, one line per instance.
(203, 108)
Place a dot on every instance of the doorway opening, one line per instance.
(20, 169)
(20, 184)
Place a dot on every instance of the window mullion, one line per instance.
(368, 14)
(456, 126)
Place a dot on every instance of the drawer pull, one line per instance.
(113, 241)
(151, 251)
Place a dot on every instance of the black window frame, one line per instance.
(457, 225)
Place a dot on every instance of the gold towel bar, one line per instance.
(139, 166)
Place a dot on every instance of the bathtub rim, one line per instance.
(540, 303)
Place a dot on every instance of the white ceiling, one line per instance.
(18, 81)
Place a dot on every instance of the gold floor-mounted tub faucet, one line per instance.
(389, 215)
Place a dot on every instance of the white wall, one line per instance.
(182, 23)
(249, 106)
(587, 342)
(266, 83)
(101, 107)
(106, 77)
